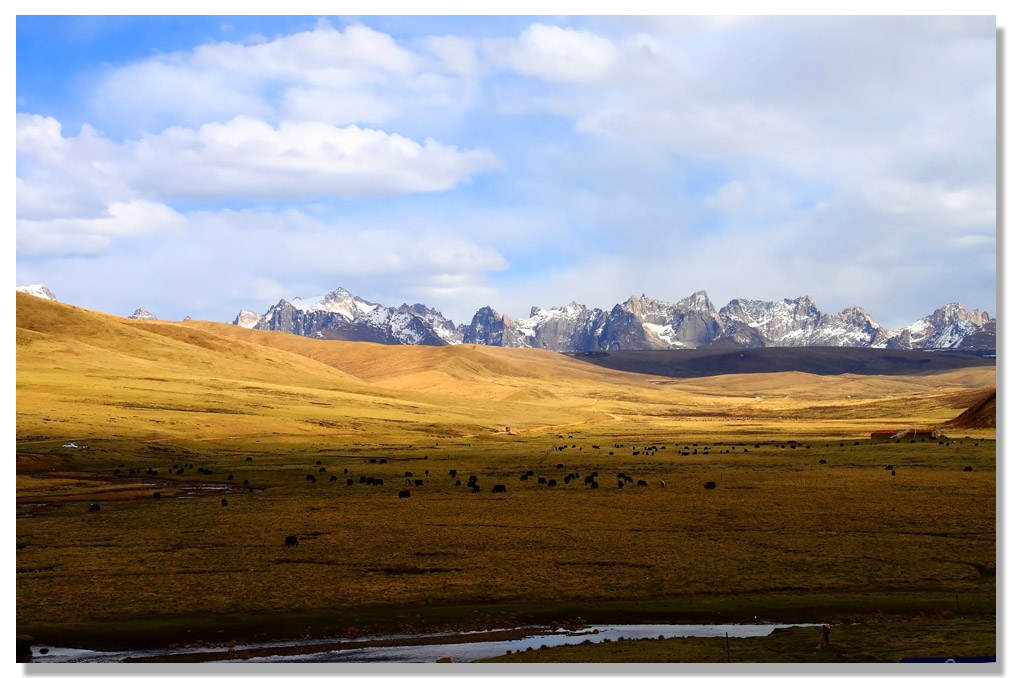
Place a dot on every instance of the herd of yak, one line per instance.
(592, 480)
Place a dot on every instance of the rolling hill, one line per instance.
(85, 374)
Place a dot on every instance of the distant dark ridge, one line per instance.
(982, 414)
(824, 360)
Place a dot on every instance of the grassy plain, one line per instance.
(782, 536)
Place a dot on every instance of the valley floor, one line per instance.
(806, 529)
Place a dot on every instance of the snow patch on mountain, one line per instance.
(247, 319)
(142, 314)
(40, 291)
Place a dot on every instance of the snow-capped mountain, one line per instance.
(798, 322)
(342, 315)
(40, 291)
(142, 314)
(572, 327)
(639, 323)
(947, 327)
(247, 319)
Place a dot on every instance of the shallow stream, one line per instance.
(458, 647)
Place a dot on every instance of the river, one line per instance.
(458, 647)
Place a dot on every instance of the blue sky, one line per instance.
(200, 165)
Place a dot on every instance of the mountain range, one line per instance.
(640, 323)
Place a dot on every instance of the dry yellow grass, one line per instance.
(163, 394)
(84, 373)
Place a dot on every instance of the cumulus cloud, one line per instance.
(62, 236)
(244, 157)
(557, 54)
(358, 75)
(840, 157)
(250, 258)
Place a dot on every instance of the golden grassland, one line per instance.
(780, 526)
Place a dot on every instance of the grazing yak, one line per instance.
(594, 485)
(967, 468)
(291, 540)
(333, 479)
(641, 483)
(404, 494)
(419, 482)
(350, 482)
(310, 477)
(476, 488)
(157, 495)
(249, 459)
(498, 488)
(552, 483)
(94, 508)
(224, 502)
(710, 485)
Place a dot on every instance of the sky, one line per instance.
(199, 165)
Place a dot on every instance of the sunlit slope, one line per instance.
(83, 373)
(543, 378)
(86, 374)
(483, 371)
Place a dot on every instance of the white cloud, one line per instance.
(249, 158)
(556, 54)
(454, 54)
(837, 154)
(357, 75)
(244, 157)
(249, 259)
(92, 236)
(731, 195)
(336, 108)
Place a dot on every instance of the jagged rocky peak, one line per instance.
(856, 314)
(633, 305)
(486, 327)
(950, 326)
(247, 319)
(339, 301)
(949, 314)
(142, 314)
(697, 302)
(639, 323)
(40, 291)
(443, 327)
